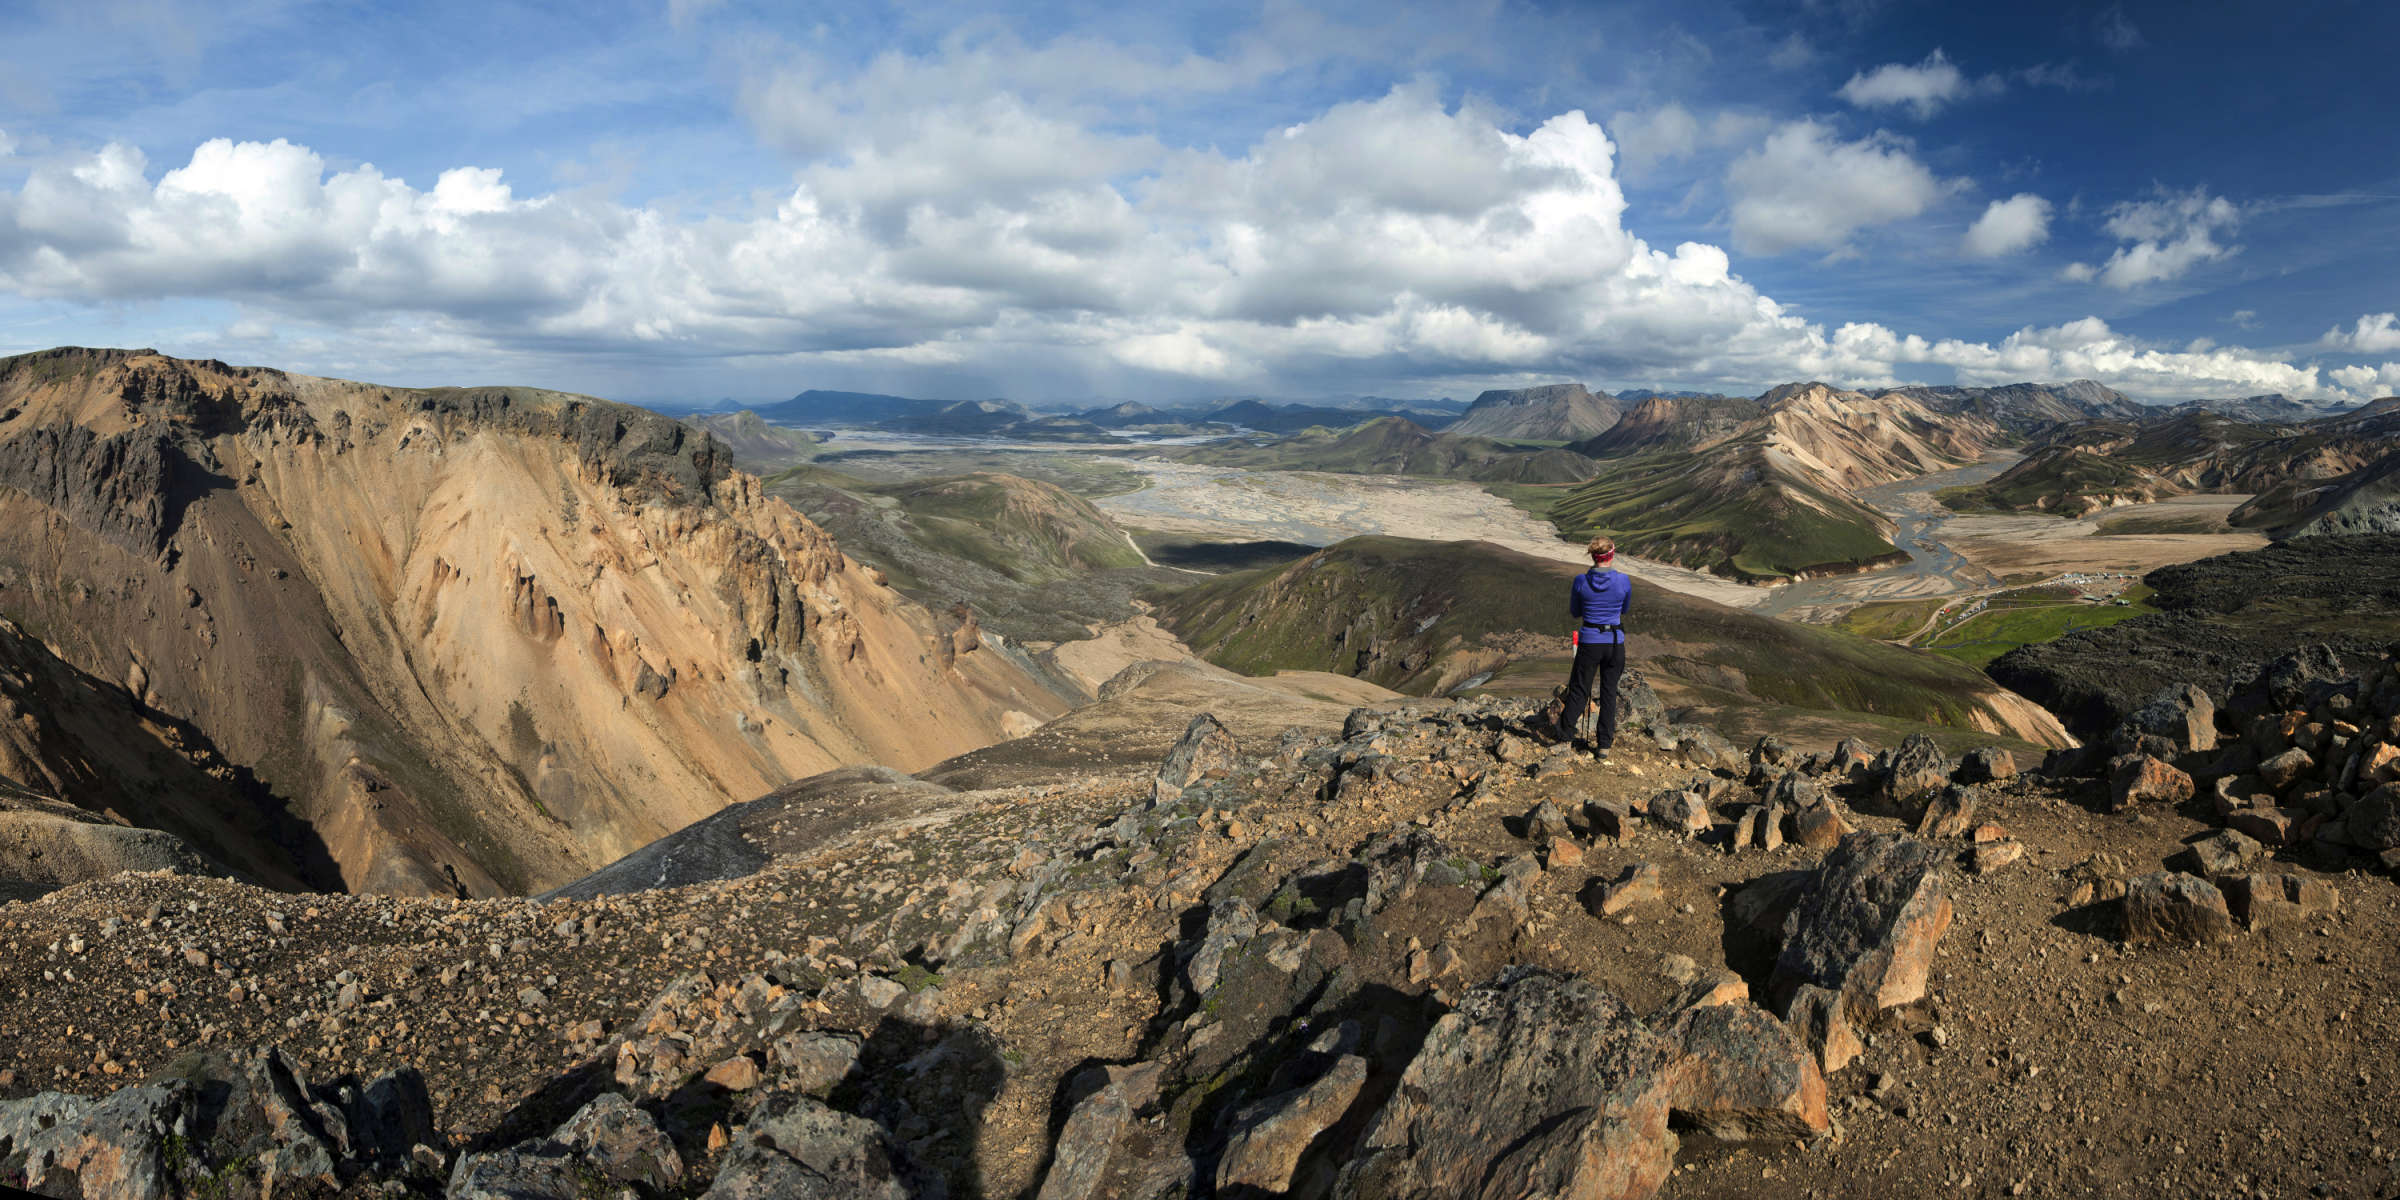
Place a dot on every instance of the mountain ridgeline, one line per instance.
(1559, 412)
(2323, 475)
(470, 640)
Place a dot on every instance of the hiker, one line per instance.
(1598, 601)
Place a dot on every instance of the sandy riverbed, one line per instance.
(1322, 508)
(2020, 545)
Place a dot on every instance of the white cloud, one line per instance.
(2375, 333)
(1807, 188)
(1387, 239)
(2089, 349)
(1650, 138)
(1923, 88)
(2009, 226)
(2368, 382)
(2167, 236)
(1662, 134)
(8, 145)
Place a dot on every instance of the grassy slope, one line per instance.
(1887, 620)
(1022, 528)
(1737, 517)
(1409, 604)
(2061, 482)
(944, 541)
(2031, 616)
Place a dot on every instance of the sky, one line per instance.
(690, 201)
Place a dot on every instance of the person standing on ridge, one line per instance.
(1598, 600)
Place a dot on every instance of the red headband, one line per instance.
(1609, 556)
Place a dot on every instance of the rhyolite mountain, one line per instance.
(2078, 469)
(2025, 409)
(1558, 412)
(1684, 422)
(1774, 496)
(445, 640)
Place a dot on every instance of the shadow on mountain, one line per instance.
(1226, 556)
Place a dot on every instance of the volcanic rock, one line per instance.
(2170, 906)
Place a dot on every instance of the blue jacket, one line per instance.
(1600, 597)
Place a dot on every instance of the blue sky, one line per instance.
(688, 200)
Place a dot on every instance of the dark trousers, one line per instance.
(1607, 660)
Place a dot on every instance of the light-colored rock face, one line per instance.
(1853, 440)
(498, 635)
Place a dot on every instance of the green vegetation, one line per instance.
(1539, 500)
(1022, 528)
(2029, 616)
(1423, 617)
(2066, 481)
(1733, 510)
(1888, 620)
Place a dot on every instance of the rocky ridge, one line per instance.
(1424, 954)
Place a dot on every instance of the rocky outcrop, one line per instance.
(1539, 1085)
(1861, 939)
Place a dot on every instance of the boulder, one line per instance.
(1612, 819)
(622, 1142)
(1867, 928)
(1987, 857)
(1546, 823)
(1206, 746)
(2170, 906)
(2141, 779)
(113, 1146)
(1986, 764)
(517, 1175)
(1743, 1076)
(2224, 853)
(1949, 814)
(1538, 1084)
(1913, 769)
(1640, 883)
(1270, 1136)
(2280, 772)
(1096, 1128)
(1819, 828)
(1684, 812)
(794, 1148)
(1758, 827)
(1793, 792)
(2265, 901)
(2271, 826)
(1851, 758)
(2183, 715)
(1700, 746)
(2374, 822)
(814, 1063)
(1771, 752)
